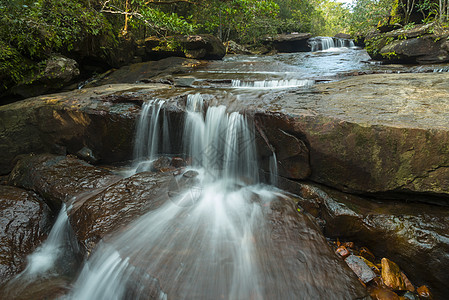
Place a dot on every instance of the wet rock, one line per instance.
(295, 42)
(178, 162)
(161, 164)
(343, 36)
(25, 221)
(383, 293)
(391, 275)
(360, 268)
(98, 214)
(408, 285)
(411, 234)
(58, 178)
(410, 296)
(424, 292)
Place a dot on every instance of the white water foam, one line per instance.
(271, 84)
(187, 243)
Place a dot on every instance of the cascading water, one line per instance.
(147, 143)
(207, 250)
(271, 84)
(326, 43)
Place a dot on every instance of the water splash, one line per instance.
(206, 249)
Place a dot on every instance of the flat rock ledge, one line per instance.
(367, 134)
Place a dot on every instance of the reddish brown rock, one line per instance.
(391, 275)
(58, 178)
(25, 221)
(409, 286)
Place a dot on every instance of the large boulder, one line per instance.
(370, 134)
(414, 235)
(294, 42)
(25, 221)
(55, 72)
(58, 178)
(423, 44)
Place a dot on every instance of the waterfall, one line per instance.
(326, 43)
(184, 244)
(271, 84)
(148, 135)
(273, 170)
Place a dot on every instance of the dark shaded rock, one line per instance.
(343, 36)
(87, 155)
(292, 154)
(295, 42)
(178, 162)
(234, 48)
(98, 214)
(360, 268)
(201, 46)
(58, 178)
(148, 71)
(24, 224)
(56, 72)
(414, 235)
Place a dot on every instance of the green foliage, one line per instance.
(242, 20)
(367, 14)
(31, 30)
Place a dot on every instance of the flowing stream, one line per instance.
(206, 247)
(224, 235)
